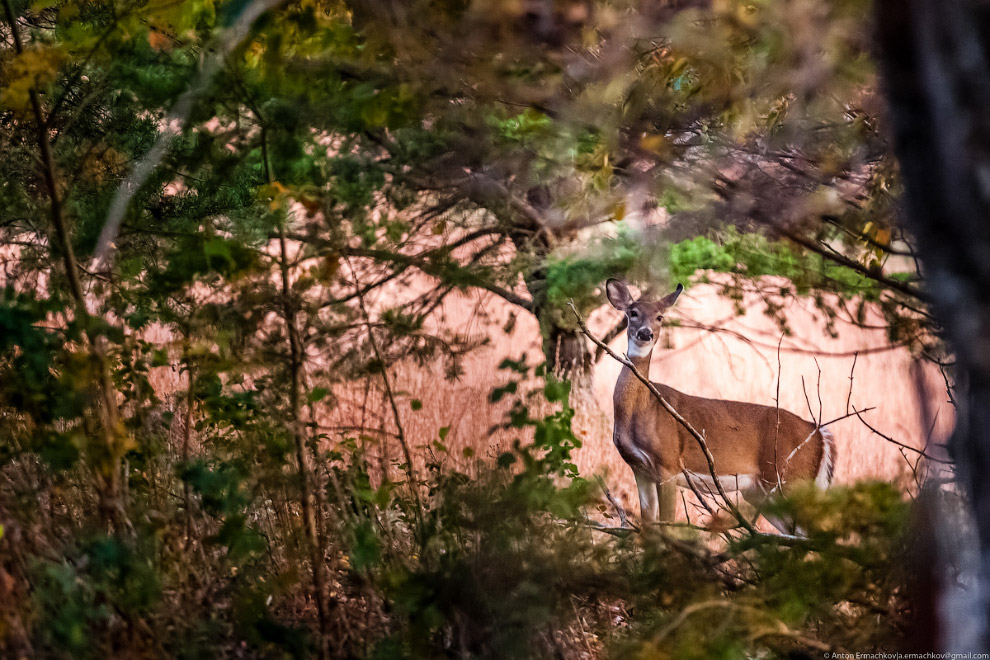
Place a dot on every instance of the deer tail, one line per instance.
(826, 469)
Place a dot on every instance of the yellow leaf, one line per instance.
(656, 144)
(310, 203)
(619, 211)
(35, 69)
(327, 268)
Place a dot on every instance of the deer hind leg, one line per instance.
(757, 496)
(649, 504)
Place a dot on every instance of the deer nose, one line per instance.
(644, 334)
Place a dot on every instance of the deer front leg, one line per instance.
(649, 504)
(668, 500)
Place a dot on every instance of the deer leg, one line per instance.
(668, 500)
(758, 497)
(783, 525)
(649, 505)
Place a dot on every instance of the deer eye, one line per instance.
(660, 317)
(633, 314)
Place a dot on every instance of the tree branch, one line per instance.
(843, 260)
(112, 505)
(435, 270)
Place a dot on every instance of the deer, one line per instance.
(757, 449)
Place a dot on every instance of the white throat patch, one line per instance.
(638, 350)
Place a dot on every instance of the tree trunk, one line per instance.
(565, 348)
(566, 352)
(937, 77)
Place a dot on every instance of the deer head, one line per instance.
(643, 317)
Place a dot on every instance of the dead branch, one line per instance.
(858, 414)
(618, 507)
(852, 371)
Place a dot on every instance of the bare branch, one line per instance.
(618, 507)
(843, 260)
(858, 414)
(435, 270)
(852, 371)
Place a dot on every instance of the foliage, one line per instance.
(754, 256)
(832, 286)
(510, 566)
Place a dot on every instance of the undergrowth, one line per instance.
(508, 558)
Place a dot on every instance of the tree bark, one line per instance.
(937, 76)
(567, 354)
(564, 347)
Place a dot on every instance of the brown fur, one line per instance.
(740, 436)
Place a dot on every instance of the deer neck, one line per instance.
(630, 392)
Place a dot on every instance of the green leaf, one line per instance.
(367, 547)
(317, 394)
(499, 392)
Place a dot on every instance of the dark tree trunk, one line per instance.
(937, 77)
(564, 346)
(567, 354)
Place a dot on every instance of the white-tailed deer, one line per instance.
(755, 448)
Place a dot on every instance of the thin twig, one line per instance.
(776, 429)
(702, 501)
(818, 387)
(858, 413)
(852, 372)
(618, 507)
(842, 417)
(410, 470)
(186, 441)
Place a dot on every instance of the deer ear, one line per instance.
(618, 294)
(670, 299)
